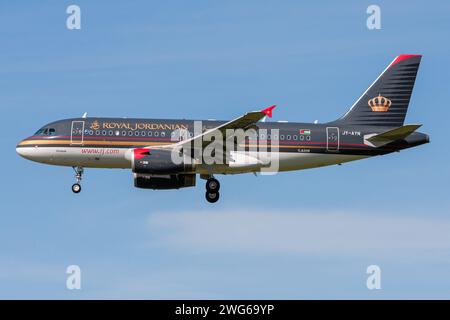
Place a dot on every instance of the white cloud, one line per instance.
(300, 232)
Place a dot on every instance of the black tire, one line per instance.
(212, 185)
(76, 188)
(212, 197)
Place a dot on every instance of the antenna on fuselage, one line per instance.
(84, 115)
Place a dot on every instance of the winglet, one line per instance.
(268, 111)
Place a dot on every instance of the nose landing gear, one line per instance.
(212, 190)
(76, 187)
(212, 197)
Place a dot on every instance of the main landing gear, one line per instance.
(76, 187)
(212, 190)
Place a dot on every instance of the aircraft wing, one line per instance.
(244, 122)
(380, 139)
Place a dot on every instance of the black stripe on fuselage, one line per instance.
(117, 132)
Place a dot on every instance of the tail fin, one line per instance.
(386, 101)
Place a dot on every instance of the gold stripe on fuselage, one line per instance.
(92, 142)
(87, 143)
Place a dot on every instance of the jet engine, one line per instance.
(174, 181)
(158, 161)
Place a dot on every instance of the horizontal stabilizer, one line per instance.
(380, 139)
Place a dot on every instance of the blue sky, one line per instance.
(305, 234)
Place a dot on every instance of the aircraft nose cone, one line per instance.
(22, 151)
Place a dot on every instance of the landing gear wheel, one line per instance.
(212, 197)
(76, 188)
(212, 185)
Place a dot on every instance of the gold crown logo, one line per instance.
(379, 104)
(95, 125)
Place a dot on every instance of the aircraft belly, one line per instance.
(287, 161)
(299, 161)
(115, 158)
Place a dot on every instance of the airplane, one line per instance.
(374, 125)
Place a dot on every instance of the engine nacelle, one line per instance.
(174, 181)
(157, 161)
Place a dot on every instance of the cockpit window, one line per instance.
(45, 132)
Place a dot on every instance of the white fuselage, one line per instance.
(99, 157)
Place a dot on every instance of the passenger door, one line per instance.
(332, 139)
(77, 133)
